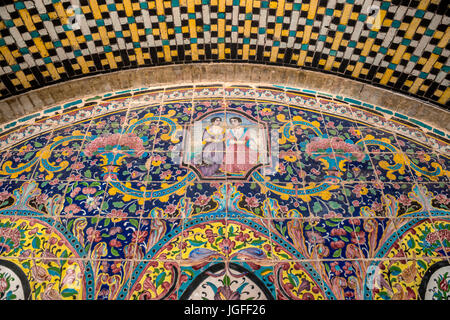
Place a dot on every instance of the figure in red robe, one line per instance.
(241, 151)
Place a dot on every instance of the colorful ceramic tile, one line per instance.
(222, 192)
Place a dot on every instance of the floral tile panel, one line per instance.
(214, 192)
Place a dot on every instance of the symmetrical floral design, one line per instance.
(108, 205)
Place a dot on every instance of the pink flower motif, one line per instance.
(115, 243)
(4, 195)
(405, 200)
(202, 200)
(227, 246)
(128, 141)
(72, 209)
(88, 190)
(75, 192)
(442, 199)
(77, 166)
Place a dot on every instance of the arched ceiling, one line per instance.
(399, 45)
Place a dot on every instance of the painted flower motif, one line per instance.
(227, 246)
(89, 190)
(166, 175)
(210, 235)
(315, 237)
(289, 155)
(405, 200)
(225, 293)
(92, 203)
(358, 237)
(115, 243)
(442, 199)
(24, 149)
(4, 195)
(128, 141)
(139, 236)
(202, 200)
(155, 160)
(72, 209)
(360, 189)
(40, 274)
(266, 112)
(74, 192)
(93, 235)
(116, 215)
(242, 237)
(252, 202)
(444, 284)
(3, 285)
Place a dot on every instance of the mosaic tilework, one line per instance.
(222, 192)
(401, 45)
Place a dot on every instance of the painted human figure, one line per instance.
(213, 148)
(241, 152)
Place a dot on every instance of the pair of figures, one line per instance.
(231, 150)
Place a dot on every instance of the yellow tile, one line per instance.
(119, 6)
(30, 77)
(96, 36)
(337, 13)
(18, 22)
(15, 82)
(364, 71)
(53, 15)
(75, 66)
(45, 73)
(408, 83)
(33, 49)
(421, 30)
(160, 54)
(321, 10)
(322, 62)
(424, 87)
(444, 98)
(36, 18)
(387, 22)
(85, 9)
(406, 56)
(308, 59)
(354, 16)
(404, 26)
(103, 8)
(155, 32)
(118, 58)
(438, 34)
(48, 45)
(273, 4)
(422, 60)
(16, 53)
(81, 39)
(360, 45)
(350, 67)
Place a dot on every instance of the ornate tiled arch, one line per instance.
(349, 192)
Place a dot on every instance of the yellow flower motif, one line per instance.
(290, 158)
(156, 163)
(363, 191)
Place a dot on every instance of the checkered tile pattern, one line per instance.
(400, 45)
